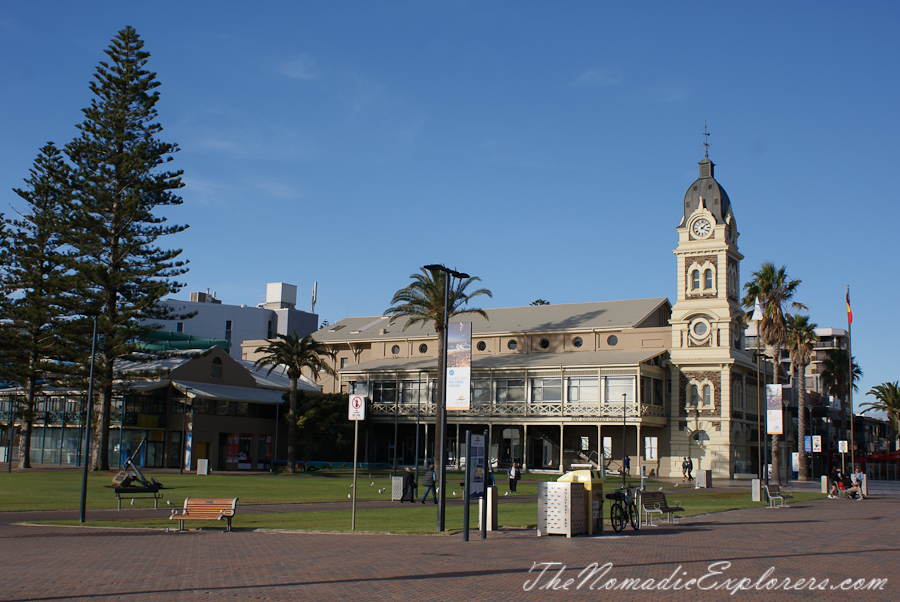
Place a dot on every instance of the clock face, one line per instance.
(701, 227)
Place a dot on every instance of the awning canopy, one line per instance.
(197, 390)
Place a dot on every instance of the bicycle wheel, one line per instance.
(634, 516)
(617, 517)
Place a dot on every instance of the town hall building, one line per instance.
(569, 384)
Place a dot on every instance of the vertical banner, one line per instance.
(459, 365)
(476, 489)
(187, 452)
(817, 444)
(774, 413)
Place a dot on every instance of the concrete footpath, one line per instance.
(833, 540)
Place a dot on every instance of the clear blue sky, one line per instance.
(543, 146)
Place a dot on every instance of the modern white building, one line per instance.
(238, 323)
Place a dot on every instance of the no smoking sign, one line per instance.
(357, 409)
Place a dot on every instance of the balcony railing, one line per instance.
(609, 411)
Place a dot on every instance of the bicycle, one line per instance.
(624, 509)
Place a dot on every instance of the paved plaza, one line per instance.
(836, 540)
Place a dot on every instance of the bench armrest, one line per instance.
(677, 503)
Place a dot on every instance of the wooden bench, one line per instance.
(206, 509)
(654, 502)
(775, 493)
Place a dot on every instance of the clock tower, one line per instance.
(708, 361)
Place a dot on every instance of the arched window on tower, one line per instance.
(695, 280)
(708, 279)
(695, 395)
(216, 368)
(707, 395)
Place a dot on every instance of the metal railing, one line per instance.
(606, 411)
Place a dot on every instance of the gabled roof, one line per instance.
(510, 320)
(277, 379)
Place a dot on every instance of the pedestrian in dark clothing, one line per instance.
(409, 486)
(428, 480)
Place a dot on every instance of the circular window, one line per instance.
(544, 343)
(481, 346)
(423, 348)
(700, 328)
(612, 341)
(577, 342)
(395, 349)
(512, 345)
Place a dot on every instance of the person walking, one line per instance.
(428, 480)
(684, 469)
(409, 486)
(690, 469)
(627, 466)
(513, 475)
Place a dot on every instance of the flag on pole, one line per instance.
(849, 311)
(758, 312)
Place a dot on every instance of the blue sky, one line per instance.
(543, 146)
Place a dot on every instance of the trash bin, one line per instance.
(755, 490)
(491, 509)
(396, 488)
(593, 497)
(561, 509)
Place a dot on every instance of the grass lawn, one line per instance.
(257, 489)
(61, 490)
(412, 518)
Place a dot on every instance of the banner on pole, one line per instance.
(477, 453)
(774, 413)
(817, 444)
(459, 365)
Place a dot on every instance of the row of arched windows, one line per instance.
(702, 279)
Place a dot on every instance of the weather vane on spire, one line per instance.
(705, 140)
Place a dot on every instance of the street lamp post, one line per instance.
(87, 425)
(442, 445)
(187, 394)
(624, 420)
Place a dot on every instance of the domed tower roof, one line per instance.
(715, 199)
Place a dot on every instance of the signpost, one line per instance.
(476, 476)
(356, 412)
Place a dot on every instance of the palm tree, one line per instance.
(801, 340)
(423, 301)
(888, 396)
(834, 379)
(540, 302)
(774, 290)
(295, 354)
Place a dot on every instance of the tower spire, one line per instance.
(705, 141)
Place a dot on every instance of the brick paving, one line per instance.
(833, 539)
